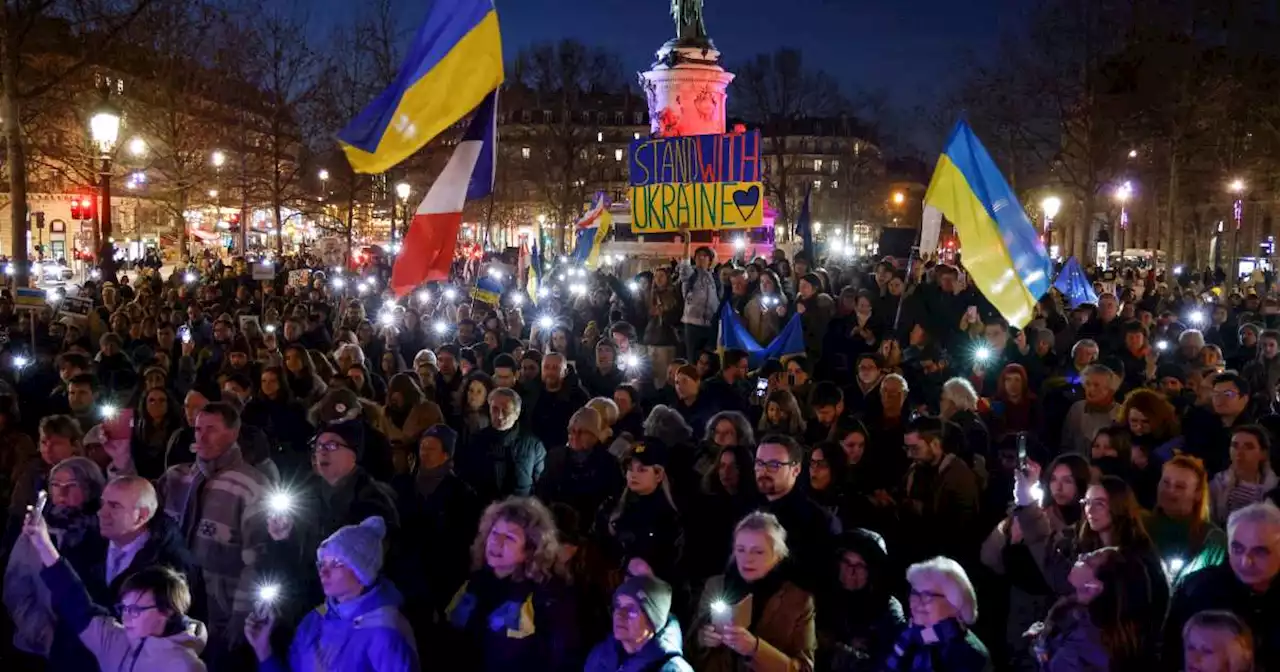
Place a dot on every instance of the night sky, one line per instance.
(903, 48)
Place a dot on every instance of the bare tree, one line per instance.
(25, 26)
(781, 94)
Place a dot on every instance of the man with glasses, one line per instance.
(942, 494)
(811, 529)
(216, 502)
(1208, 430)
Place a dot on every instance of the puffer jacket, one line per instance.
(367, 634)
(663, 653)
(701, 295)
(104, 637)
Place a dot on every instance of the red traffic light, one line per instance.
(76, 212)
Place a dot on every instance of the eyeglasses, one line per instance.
(773, 465)
(330, 446)
(133, 610)
(817, 463)
(330, 564)
(1225, 394)
(628, 611)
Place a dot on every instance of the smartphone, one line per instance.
(185, 333)
(972, 312)
(762, 386)
(42, 498)
(1022, 452)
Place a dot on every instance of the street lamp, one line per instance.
(1123, 193)
(899, 198)
(104, 128)
(402, 190)
(1237, 212)
(137, 146)
(1051, 205)
(324, 175)
(218, 158)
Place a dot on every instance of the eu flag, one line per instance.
(1002, 252)
(454, 62)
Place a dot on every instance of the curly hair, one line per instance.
(541, 539)
(1156, 408)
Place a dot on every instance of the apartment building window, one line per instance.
(835, 165)
(600, 118)
(599, 136)
(546, 116)
(617, 155)
(835, 184)
(526, 116)
(635, 136)
(639, 118)
(525, 152)
(618, 118)
(817, 165)
(817, 185)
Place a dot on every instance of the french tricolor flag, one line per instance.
(427, 253)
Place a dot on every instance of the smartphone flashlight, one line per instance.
(983, 354)
(1162, 345)
(719, 607)
(109, 412)
(268, 594)
(280, 502)
(270, 328)
(546, 322)
(441, 327)
(424, 296)
(189, 278)
(450, 294)
(631, 361)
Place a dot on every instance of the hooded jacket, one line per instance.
(1221, 486)
(367, 634)
(664, 652)
(856, 629)
(104, 637)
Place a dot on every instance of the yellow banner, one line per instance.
(657, 208)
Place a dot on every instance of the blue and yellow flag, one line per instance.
(454, 62)
(1002, 252)
(733, 334)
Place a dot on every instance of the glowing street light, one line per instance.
(137, 146)
(403, 190)
(218, 158)
(1133, 153)
(324, 175)
(1051, 205)
(899, 198)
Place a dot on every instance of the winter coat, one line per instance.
(581, 480)
(856, 629)
(31, 605)
(227, 533)
(664, 652)
(367, 634)
(785, 628)
(811, 538)
(1074, 644)
(818, 311)
(104, 637)
(946, 647)
(648, 527)
(665, 309)
(701, 295)
(513, 625)
(950, 509)
(1218, 588)
(762, 321)
(502, 463)
(547, 414)
(421, 417)
(430, 563)
(1030, 595)
(164, 546)
(1222, 484)
(1082, 423)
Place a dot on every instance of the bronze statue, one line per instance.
(690, 28)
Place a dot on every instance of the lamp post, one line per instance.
(1237, 213)
(1050, 206)
(104, 127)
(1123, 193)
(402, 190)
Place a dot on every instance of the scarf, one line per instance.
(203, 471)
(427, 480)
(736, 589)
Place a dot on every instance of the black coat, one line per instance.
(811, 537)
(581, 481)
(429, 564)
(548, 413)
(501, 463)
(648, 528)
(1218, 588)
(165, 546)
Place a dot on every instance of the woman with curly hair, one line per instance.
(781, 415)
(514, 612)
(1156, 435)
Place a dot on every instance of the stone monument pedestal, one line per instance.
(685, 90)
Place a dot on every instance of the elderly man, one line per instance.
(1247, 586)
(136, 537)
(503, 459)
(217, 504)
(1095, 411)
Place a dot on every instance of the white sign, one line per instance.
(264, 271)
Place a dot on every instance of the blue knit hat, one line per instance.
(358, 547)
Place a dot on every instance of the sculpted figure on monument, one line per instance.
(690, 28)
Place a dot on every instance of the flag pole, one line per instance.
(911, 260)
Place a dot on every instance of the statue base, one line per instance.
(685, 89)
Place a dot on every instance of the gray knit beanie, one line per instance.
(358, 547)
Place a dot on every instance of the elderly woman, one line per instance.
(959, 404)
(359, 628)
(943, 607)
(514, 613)
(1095, 411)
(646, 635)
(408, 411)
(752, 617)
(75, 494)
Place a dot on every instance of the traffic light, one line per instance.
(234, 222)
(84, 205)
(76, 212)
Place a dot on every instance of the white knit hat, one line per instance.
(358, 547)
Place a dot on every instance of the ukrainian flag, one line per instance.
(1002, 252)
(733, 334)
(454, 62)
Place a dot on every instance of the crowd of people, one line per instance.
(581, 479)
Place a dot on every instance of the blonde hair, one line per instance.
(1240, 655)
(954, 582)
(608, 410)
(541, 539)
(767, 523)
(590, 419)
